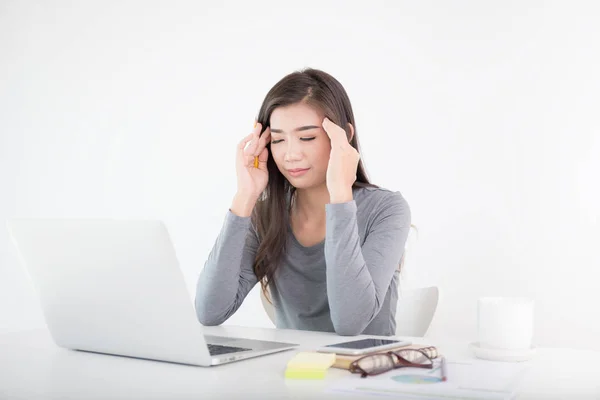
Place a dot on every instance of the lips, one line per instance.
(297, 171)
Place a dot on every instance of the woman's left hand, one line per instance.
(343, 163)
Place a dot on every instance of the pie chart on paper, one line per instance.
(416, 379)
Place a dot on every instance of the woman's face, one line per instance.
(299, 145)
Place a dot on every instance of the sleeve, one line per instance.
(228, 274)
(358, 277)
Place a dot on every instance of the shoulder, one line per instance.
(379, 203)
(377, 197)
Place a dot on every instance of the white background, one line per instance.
(483, 114)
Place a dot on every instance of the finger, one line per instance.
(335, 133)
(253, 147)
(264, 156)
(260, 161)
(242, 144)
(257, 128)
(264, 139)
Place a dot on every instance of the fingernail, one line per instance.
(255, 122)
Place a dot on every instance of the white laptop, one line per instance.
(115, 287)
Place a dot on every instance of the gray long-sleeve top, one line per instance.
(346, 284)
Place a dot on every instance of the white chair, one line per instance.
(415, 309)
(267, 306)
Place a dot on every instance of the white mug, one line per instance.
(505, 323)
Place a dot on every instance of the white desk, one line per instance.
(32, 367)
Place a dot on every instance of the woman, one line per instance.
(306, 222)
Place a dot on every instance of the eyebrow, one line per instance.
(300, 129)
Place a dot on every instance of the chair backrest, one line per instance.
(270, 310)
(416, 307)
(415, 311)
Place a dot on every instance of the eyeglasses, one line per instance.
(375, 364)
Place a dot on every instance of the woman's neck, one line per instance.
(309, 204)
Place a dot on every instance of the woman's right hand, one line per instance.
(251, 181)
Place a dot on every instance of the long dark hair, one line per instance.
(272, 211)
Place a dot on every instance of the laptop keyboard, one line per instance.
(217, 349)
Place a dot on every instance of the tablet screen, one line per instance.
(364, 343)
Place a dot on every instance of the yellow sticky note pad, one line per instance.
(307, 365)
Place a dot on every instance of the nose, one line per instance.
(292, 152)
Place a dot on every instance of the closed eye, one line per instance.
(304, 139)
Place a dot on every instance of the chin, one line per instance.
(301, 184)
(298, 185)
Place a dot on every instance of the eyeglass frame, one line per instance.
(354, 368)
